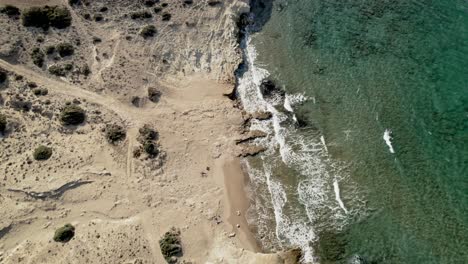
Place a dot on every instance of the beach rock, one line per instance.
(251, 136)
(292, 256)
(251, 150)
(262, 115)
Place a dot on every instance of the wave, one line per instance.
(317, 189)
(388, 140)
(336, 188)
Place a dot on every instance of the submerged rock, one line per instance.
(270, 89)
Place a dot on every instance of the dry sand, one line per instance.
(120, 204)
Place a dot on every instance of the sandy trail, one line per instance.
(123, 110)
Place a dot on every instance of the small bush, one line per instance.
(154, 94)
(73, 2)
(60, 70)
(149, 3)
(40, 91)
(214, 3)
(11, 11)
(151, 148)
(136, 101)
(42, 153)
(65, 49)
(115, 133)
(64, 233)
(147, 134)
(59, 17)
(68, 67)
(50, 50)
(47, 16)
(20, 104)
(171, 246)
(98, 17)
(3, 76)
(96, 40)
(141, 15)
(166, 17)
(157, 9)
(148, 31)
(37, 57)
(3, 123)
(72, 115)
(85, 70)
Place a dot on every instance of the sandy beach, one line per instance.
(122, 196)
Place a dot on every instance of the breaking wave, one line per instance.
(313, 202)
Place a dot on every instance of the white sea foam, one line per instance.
(336, 188)
(388, 140)
(292, 99)
(308, 156)
(322, 139)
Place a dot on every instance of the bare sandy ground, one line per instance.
(121, 204)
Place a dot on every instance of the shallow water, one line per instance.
(374, 170)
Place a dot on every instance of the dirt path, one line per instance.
(123, 110)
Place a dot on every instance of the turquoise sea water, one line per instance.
(353, 69)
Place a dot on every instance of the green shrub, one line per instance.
(171, 246)
(37, 57)
(85, 70)
(42, 153)
(98, 17)
(68, 67)
(148, 31)
(40, 91)
(149, 3)
(47, 16)
(141, 15)
(64, 233)
(73, 2)
(115, 133)
(151, 148)
(214, 3)
(65, 49)
(57, 70)
(147, 134)
(3, 76)
(60, 70)
(3, 123)
(11, 11)
(72, 115)
(20, 104)
(50, 50)
(60, 17)
(166, 17)
(154, 94)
